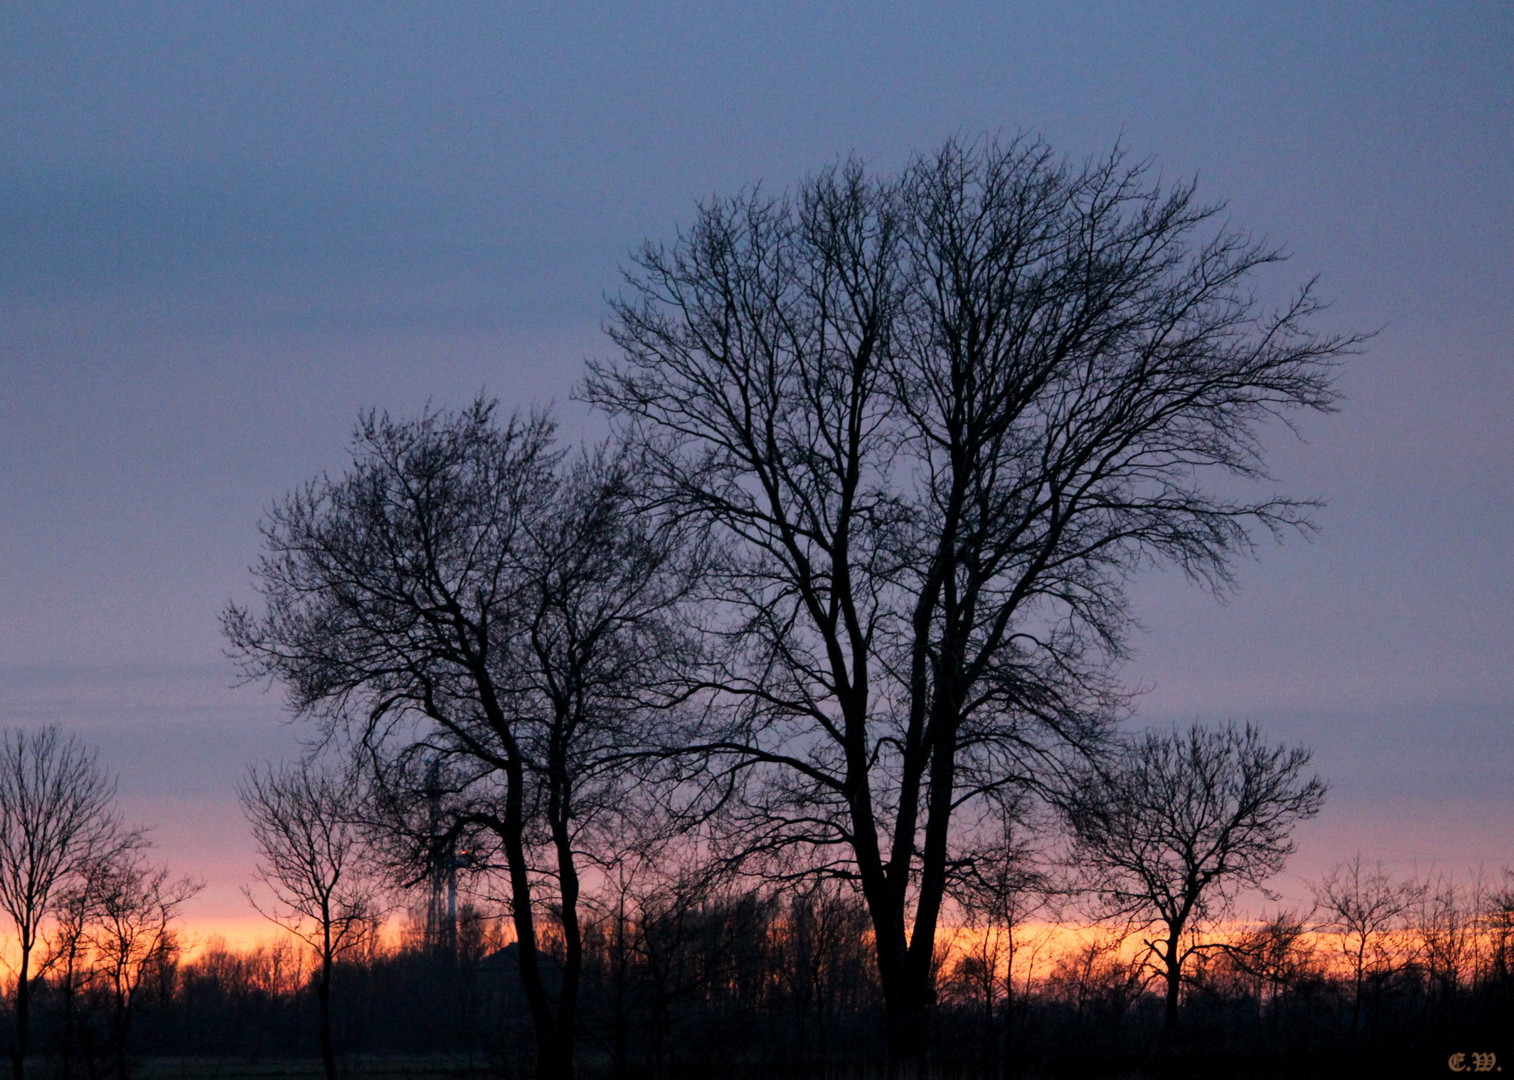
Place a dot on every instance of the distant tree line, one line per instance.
(682, 980)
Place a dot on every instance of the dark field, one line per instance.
(424, 1067)
(1426, 1063)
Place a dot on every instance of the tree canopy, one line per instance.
(937, 419)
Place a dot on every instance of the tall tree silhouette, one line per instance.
(936, 420)
(461, 600)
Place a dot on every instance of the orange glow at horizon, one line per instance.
(1039, 948)
(199, 935)
(238, 934)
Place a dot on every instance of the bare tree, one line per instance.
(1003, 885)
(1364, 910)
(72, 958)
(1278, 954)
(1175, 827)
(310, 842)
(459, 602)
(67, 960)
(823, 930)
(131, 933)
(601, 663)
(1449, 936)
(937, 420)
(1097, 980)
(1498, 918)
(57, 815)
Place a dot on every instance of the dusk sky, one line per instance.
(225, 230)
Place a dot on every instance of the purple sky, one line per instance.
(223, 232)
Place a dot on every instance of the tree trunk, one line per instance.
(23, 1013)
(511, 832)
(905, 1010)
(903, 978)
(1170, 1021)
(621, 1027)
(528, 960)
(823, 1047)
(1007, 1057)
(909, 992)
(1173, 974)
(323, 995)
(558, 812)
(118, 1033)
(69, 1023)
(1356, 997)
(905, 982)
(990, 1029)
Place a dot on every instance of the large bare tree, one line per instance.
(1171, 829)
(57, 817)
(937, 419)
(466, 608)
